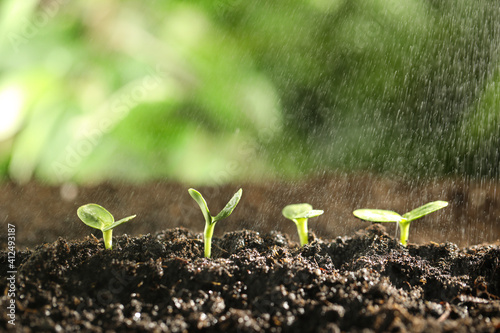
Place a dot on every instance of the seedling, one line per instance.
(299, 214)
(97, 217)
(210, 220)
(380, 215)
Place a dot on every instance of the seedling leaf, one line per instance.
(424, 210)
(202, 203)
(95, 216)
(377, 215)
(228, 209)
(314, 213)
(117, 223)
(297, 211)
(98, 217)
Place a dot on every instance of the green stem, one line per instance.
(302, 230)
(404, 228)
(207, 237)
(107, 236)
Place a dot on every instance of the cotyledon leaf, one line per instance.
(424, 210)
(117, 223)
(202, 203)
(297, 211)
(230, 206)
(377, 215)
(95, 216)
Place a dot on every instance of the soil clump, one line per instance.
(254, 283)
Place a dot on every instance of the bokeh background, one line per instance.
(344, 104)
(210, 92)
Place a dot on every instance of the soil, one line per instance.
(352, 277)
(254, 283)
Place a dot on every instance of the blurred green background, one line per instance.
(213, 92)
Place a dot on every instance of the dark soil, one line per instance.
(255, 283)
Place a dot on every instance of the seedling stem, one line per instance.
(107, 237)
(207, 238)
(303, 231)
(404, 228)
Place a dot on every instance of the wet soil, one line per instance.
(43, 213)
(255, 282)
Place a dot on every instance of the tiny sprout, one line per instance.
(299, 213)
(210, 220)
(97, 217)
(379, 215)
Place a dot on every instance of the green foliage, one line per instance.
(196, 87)
(92, 105)
(210, 220)
(98, 217)
(299, 214)
(380, 215)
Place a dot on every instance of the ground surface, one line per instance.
(44, 213)
(254, 283)
(344, 280)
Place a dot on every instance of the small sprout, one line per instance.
(379, 215)
(97, 217)
(299, 213)
(211, 220)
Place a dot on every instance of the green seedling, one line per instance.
(299, 214)
(97, 217)
(380, 215)
(210, 220)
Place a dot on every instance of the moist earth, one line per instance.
(254, 283)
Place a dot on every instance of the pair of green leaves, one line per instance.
(300, 211)
(210, 220)
(380, 215)
(98, 217)
(225, 212)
